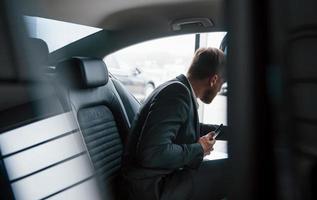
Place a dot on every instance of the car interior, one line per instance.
(65, 118)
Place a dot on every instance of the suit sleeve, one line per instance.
(165, 118)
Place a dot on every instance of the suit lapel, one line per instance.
(185, 81)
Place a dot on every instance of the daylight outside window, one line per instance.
(144, 66)
(53, 31)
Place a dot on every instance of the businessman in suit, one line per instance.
(167, 143)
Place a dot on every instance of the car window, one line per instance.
(149, 64)
(53, 31)
(216, 112)
(219, 104)
(144, 66)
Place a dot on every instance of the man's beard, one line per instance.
(208, 96)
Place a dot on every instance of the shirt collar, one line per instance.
(195, 98)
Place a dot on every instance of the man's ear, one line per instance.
(213, 79)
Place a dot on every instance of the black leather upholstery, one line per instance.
(83, 72)
(104, 144)
(130, 103)
(39, 49)
(302, 98)
(100, 114)
(299, 68)
(102, 139)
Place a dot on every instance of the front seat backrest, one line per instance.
(100, 115)
(131, 105)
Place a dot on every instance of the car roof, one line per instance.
(125, 22)
(123, 14)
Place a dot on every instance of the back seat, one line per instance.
(101, 115)
(46, 154)
(42, 154)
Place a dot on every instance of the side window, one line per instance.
(216, 112)
(144, 66)
(53, 31)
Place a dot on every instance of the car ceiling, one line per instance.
(118, 14)
(125, 22)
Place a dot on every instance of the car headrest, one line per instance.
(82, 72)
(39, 49)
(33, 59)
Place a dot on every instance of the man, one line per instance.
(167, 143)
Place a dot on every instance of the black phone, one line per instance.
(218, 131)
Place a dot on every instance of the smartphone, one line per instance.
(218, 131)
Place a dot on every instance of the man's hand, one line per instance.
(207, 142)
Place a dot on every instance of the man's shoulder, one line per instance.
(172, 89)
(174, 85)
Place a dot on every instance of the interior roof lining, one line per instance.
(109, 13)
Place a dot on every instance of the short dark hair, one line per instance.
(207, 62)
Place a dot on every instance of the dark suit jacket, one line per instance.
(163, 141)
